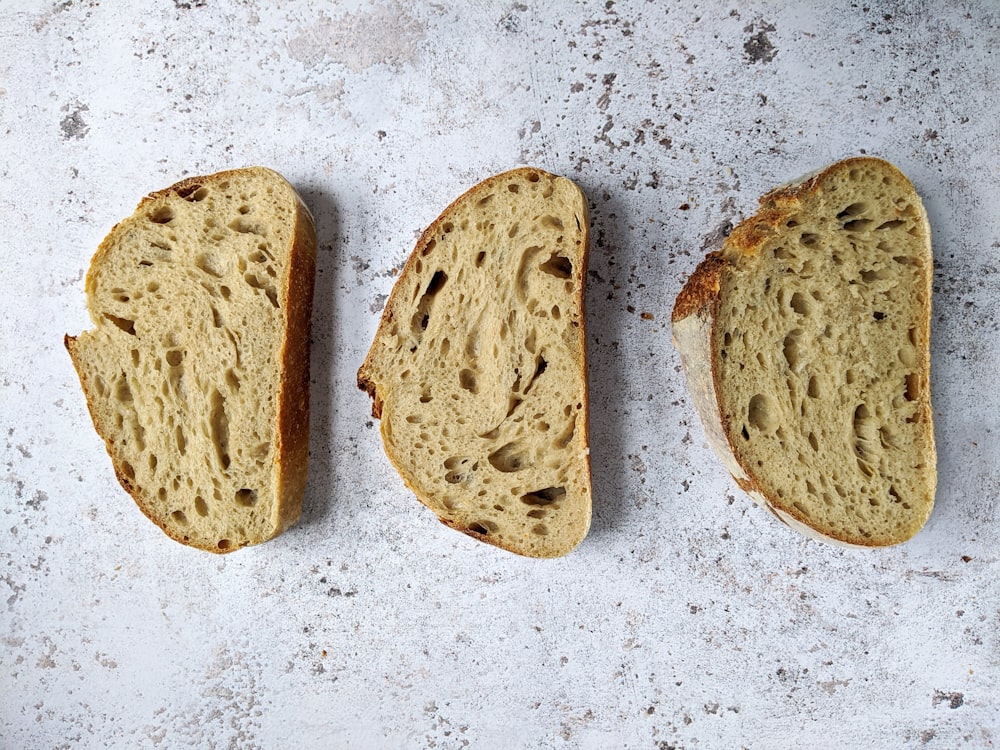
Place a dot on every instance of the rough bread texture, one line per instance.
(197, 371)
(478, 368)
(805, 340)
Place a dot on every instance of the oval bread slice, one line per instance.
(478, 368)
(196, 373)
(805, 341)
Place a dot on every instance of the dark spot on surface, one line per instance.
(72, 125)
(189, 4)
(35, 503)
(954, 700)
(510, 21)
(758, 48)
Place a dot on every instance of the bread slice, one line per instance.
(478, 368)
(197, 370)
(805, 340)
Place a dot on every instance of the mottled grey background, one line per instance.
(688, 618)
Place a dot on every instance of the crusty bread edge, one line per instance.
(693, 329)
(367, 377)
(292, 436)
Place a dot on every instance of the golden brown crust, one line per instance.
(293, 394)
(701, 289)
(292, 435)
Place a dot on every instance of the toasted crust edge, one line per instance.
(292, 441)
(366, 377)
(694, 328)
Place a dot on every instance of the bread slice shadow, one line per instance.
(606, 323)
(322, 393)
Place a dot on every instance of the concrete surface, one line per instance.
(688, 618)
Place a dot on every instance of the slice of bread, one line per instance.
(478, 369)
(197, 371)
(805, 341)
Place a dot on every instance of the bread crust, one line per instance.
(694, 329)
(292, 431)
(367, 379)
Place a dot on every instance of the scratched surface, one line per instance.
(688, 618)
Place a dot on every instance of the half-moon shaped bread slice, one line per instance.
(805, 340)
(478, 369)
(197, 370)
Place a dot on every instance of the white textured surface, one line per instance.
(688, 618)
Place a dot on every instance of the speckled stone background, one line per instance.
(688, 618)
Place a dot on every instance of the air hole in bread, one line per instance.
(200, 506)
(179, 517)
(912, 392)
(482, 527)
(800, 303)
(792, 349)
(161, 215)
(533, 177)
(246, 497)
(480, 257)
(808, 239)
(891, 224)
(448, 227)
(558, 265)
(540, 529)
(180, 440)
(123, 394)
(175, 357)
(508, 458)
(219, 427)
(545, 496)
(871, 276)
(224, 544)
(760, 413)
(512, 403)
(468, 381)
(552, 222)
(513, 187)
(540, 367)
(857, 225)
(855, 209)
(566, 436)
(123, 323)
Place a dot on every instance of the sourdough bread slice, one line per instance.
(805, 341)
(478, 368)
(196, 373)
